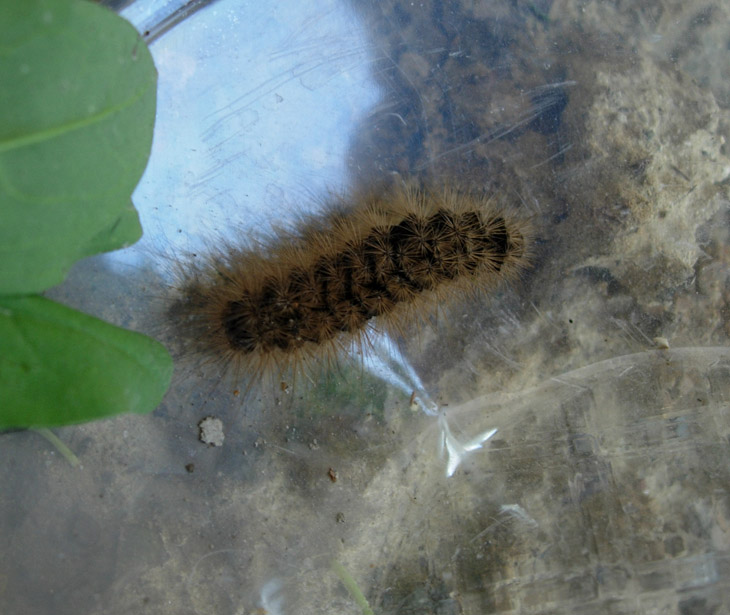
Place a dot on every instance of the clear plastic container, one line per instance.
(604, 368)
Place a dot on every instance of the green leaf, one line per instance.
(59, 366)
(125, 226)
(77, 107)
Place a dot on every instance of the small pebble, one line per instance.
(211, 431)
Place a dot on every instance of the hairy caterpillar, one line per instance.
(301, 300)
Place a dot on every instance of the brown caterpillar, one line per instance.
(302, 300)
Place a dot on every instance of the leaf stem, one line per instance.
(59, 445)
(352, 587)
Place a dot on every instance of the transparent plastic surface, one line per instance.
(605, 369)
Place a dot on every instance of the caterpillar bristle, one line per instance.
(302, 300)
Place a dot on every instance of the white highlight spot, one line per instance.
(455, 449)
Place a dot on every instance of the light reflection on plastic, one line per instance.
(386, 361)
